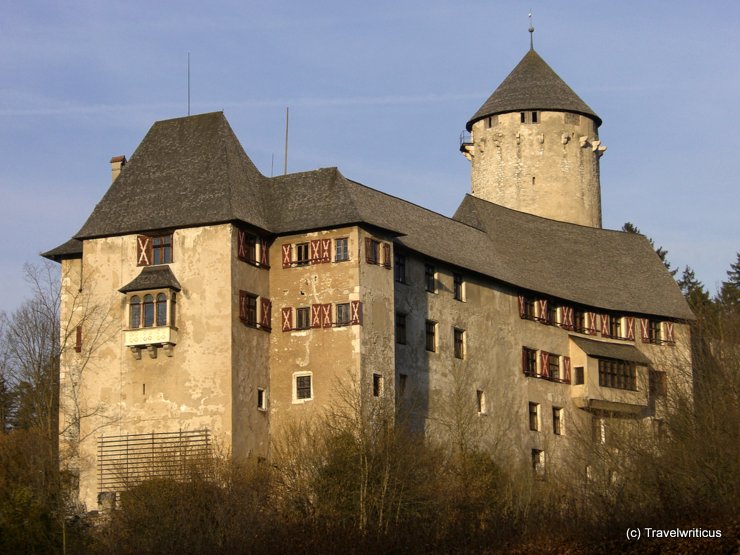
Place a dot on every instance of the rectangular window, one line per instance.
(302, 256)
(162, 249)
(618, 374)
(553, 366)
(557, 421)
(372, 251)
(535, 117)
(459, 287)
(248, 308)
(341, 248)
(615, 327)
(302, 318)
(528, 308)
(400, 328)
(654, 331)
(402, 378)
(399, 272)
(246, 246)
(529, 361)
(261, 399)
(579, 321)
(343, 314)
(303, 390)
(430, 278)
(579, 376)
(459, 339)
(377, 385)
(658, 383)
(538, 462)
(552, 314)
(431, 335)
(534, 417)
(480, 398)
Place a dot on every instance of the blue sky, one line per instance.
(380, 89)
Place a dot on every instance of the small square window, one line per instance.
(535, 117)
(303, 387)
(302, 318)
(430, 278)
(431, 335)
(302, 254)
(534, 417)
(377, 385)
(400, 328)
(553, 366)
(343, 314)
(557, 421)
(459, 341)
(341, 249)
(261, 399)
(579, 380)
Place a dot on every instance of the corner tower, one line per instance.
(534, 147)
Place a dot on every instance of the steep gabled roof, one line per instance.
(187, 171)
(607, 269)
(69, 249)
(533, 85)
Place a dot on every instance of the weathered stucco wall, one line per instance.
(550, 168)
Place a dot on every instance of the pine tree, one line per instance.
(729, 293)
(662, 253)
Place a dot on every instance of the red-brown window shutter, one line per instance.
(143, 250)
(355, 311)
(368, 250)
(605, 325)
(326, 250)
(266, 313)
(566, 369)
(544, 364)
(543, 310)
(591, 327)
(645, 330)
(78, 339)
(315, 315)
(668, 327)
(630, 321)
(242, 305)
(287, 249)
(315, 251)
(326, 315)
(287, 317)
(241, 244)
(525, 367)
(522, 307)
(386, 256)
(264, 253)
(567, 317)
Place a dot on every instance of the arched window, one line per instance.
(161, 309)
(148, 311)
(135, 312)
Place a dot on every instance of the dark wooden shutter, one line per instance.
(355, 311)
(264, 253)
(287, 259)
(243, 306)
(368, 250)
(566, 369)
(645, 330)
(143, 250)
(326, 250)
(386, 256)
(287, 317)
(544, 364)
(265, 313)
(605, 325)
(78, 339)
(522, 306)
(630, 322)
(315, 251)
(326, 315)
(241, 244)
(315, 315)
(668, 327)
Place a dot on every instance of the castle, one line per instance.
(211, 304)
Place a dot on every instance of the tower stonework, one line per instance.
(534, 147)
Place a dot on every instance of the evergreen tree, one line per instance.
(694, 291)
(729, 293)
(662, 253)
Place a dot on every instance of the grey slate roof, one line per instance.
(152, 277)
(186, 171)
(533, 85)
(193, 171)
(70, 249)
(610, 350)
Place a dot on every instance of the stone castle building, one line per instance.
(213, 305)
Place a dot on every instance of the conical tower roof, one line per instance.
(533, 85)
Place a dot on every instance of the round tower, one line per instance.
(534, 147)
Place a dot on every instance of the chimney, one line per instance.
(116, 165)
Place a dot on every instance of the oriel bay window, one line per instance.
(152, 309)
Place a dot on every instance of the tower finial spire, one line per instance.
(531, 32)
